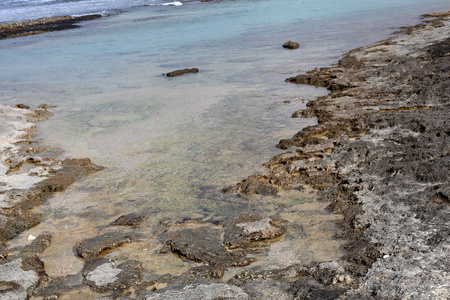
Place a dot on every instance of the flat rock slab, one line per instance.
(211, 246)
(212, 291)
(133, 219)
(103, 275)
(242, 231)
(92, 247)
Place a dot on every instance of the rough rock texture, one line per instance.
(132, 219)
(11, 30)
(213, 291)
(29, 171)
(15, 282)
(214, 246)
(92, 247)
(291, 45)
(181, 72)
(104, 275)
(380, 155)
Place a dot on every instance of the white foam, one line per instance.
(175, 3)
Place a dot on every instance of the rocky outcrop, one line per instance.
(379, 154)
(24, 28)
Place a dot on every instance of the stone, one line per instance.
(104, 275)
(213, 291)
(133, 219)
(181, 72)
(245, 229)
(16, 283)
(93, 247)
(291, 45)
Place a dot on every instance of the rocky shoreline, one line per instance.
(379, 156)
(24, 28)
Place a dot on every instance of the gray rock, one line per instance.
(15, 283)
(212, 291)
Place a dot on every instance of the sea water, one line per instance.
(170, 145)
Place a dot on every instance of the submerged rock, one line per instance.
(212, 246)
(133, 219)
(92, 247)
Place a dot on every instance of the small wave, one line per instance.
(175, 3)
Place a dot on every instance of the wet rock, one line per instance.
(245, 229)
(93, 247)
(291, 45)
(3, 252)
(10, 30)
(104, 275)
(16, 283)
(133, 219)
(22, 106)
(38, 245)
(253, 185)
(306, 288)
(181, 72)
(213, 291)
(204, 245)
(386, 169)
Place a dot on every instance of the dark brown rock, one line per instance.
(42, 242)
(10, 30)
(132, 219)
(93, 247)
(291, 45)
(242, 231)
(181, 72)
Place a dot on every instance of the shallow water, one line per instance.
(171, 145)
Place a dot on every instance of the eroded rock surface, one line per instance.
(15, 282)
(104, 275)
(17, 29)
(213, 291)
(214, 246)
(92, 247)
(380, 155)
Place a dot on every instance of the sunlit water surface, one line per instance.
(170, 145)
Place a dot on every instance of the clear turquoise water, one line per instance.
(171, 145)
